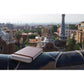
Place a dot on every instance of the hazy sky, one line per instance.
(41, 18)
(39, 11)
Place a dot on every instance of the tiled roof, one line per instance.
(32, 41)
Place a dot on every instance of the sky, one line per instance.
(39, 11)
(41, 18)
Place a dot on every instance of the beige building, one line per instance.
(44, 31)
(79, 36)
(81, 26)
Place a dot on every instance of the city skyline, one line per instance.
(40, 18)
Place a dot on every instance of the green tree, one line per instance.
(32, 36)
(53, 28)
(18, 35)
(54, 36)
(26, 31)
(73, 26)
(81, 45)
(39, 31)
(16, 48)
(72, 45)
(33, 31)
(26, 42)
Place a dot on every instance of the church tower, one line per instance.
(62, 29)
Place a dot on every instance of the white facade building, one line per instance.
(69, 32)
(47, 39)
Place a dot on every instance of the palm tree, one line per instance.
(18, 36)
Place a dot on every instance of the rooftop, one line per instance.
(32, 41)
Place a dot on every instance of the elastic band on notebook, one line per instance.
(24, 55)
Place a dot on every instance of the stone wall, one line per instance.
(49, 47)
(6, 48)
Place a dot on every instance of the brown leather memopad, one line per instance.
(27, 53)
